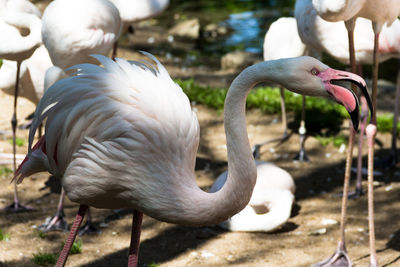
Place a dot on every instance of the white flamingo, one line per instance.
(70, 35)
(124, 136)
(314, 30)
(18, 17)
(283, 41)
(270, 204)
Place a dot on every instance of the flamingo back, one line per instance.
(74, 29)
(119, 134)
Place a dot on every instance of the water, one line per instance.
(248, 21)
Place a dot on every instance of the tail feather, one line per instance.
(35, 161)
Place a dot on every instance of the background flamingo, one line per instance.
(379, 13)
(70, 35)
(270, 204)
(136, 116)
(16, 47)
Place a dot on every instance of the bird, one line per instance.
(71, 35)
(123, 135)
(134, 11)
(270, 204)
(282, 41)
(32, 75)
(330, 37)
(348, 11)
(20, 30)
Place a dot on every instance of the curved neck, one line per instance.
(208, 208)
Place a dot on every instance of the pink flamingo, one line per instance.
(379, 12)
(124, 136)
(16, 16)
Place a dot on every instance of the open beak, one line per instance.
(345, 96)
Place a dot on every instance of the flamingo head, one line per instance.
(309, 76)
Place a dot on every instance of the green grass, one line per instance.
(385, 123)
(322, 115)
(76, 247)
(4, 236)
(18, 141)
(39, 234)
(4, 171)
(44, 258)
(153, 264)
(337, 140)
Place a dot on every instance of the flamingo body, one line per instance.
(71, 34)
(331, 37)
(270, 204)
(282, 40)
(133, 11)
(384, 11)
(32, 75)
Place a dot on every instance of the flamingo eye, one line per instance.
(314, 72)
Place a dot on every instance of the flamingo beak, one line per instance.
(345, 96)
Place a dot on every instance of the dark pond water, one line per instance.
(248, 21)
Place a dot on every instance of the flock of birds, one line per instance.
(123, 135)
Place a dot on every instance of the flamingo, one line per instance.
(32, 75)
(323, 36)
(123, 136)
(70, 35)
(270, 204)
(385, 11)
(16, 47)
(278, 45)
(134, 11)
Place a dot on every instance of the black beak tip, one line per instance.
(355, 118)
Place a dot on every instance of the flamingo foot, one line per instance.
(88, 229)
(301, 156)
(17, 207)
(339, 259)
(354, 194)
(56, 223)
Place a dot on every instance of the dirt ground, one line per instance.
(296, 244)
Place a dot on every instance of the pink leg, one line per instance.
(135, 238)
(371, 133)
(62, 259)
(340, 257)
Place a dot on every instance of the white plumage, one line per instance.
(73, 29)
(270, 205)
